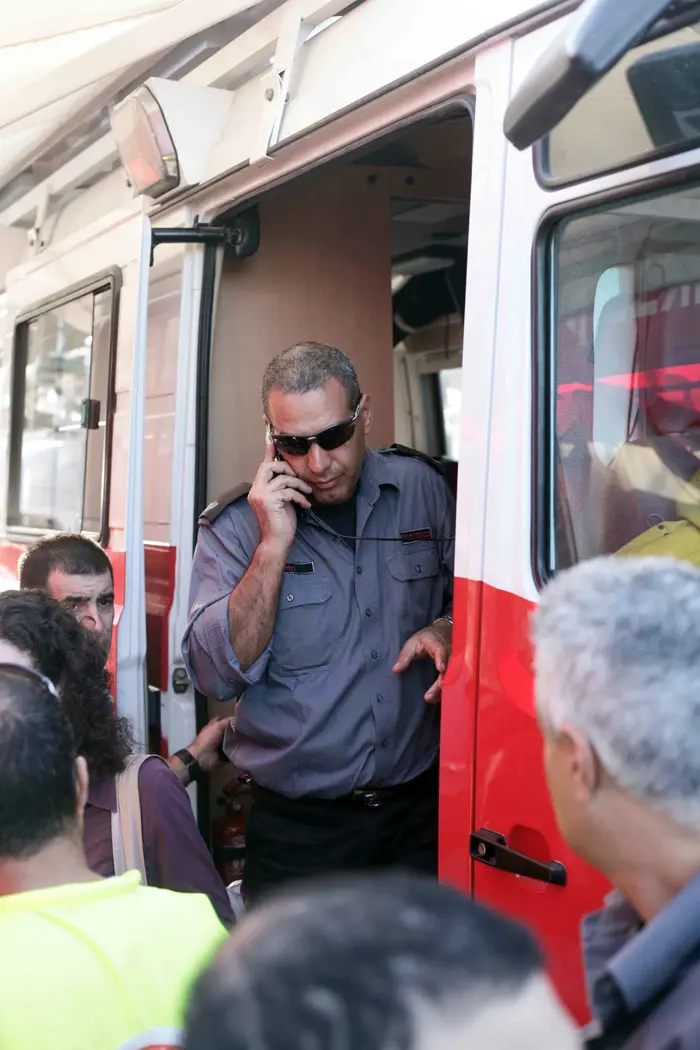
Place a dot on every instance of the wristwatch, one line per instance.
(447, 617)
(194, 770)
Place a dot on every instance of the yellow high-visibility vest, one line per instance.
(104, 965)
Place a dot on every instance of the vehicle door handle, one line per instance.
(489, 847)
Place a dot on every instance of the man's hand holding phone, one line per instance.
(275, 491)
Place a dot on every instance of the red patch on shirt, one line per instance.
(415, 535)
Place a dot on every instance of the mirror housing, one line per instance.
(591, 43)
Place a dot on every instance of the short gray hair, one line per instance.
(617, 653)
(309, 366)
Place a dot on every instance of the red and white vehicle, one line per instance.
(319, 169)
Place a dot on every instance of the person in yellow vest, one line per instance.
(87, 963)
(676, 456)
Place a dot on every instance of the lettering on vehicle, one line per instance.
(301, 568)
(415, 535)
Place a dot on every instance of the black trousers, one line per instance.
(291, 839)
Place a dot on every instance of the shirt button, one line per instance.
(358, 570)
(290, 597)
(368, 612)
(419, 568)
(375, 654)
(385, 743)
(380, 698)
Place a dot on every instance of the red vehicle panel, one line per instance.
(506, 785)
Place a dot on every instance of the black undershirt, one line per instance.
(341, 517)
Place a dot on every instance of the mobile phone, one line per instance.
(268, 439)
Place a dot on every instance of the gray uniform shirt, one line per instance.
(644, 981)
(320, 711)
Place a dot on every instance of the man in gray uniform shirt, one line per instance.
(323, 602)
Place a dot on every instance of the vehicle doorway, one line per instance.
(367, 253)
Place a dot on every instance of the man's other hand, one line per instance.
(205, 746)
(434, 641)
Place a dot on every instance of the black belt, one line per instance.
(370, 797)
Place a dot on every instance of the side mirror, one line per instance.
(591, 43)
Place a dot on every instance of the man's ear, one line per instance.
(582, 761)
(82, 786)
(366, 413)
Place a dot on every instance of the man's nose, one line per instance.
(88, 618)
(317, 459)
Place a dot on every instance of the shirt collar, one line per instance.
(641, 960)
(104, 794)
(376, 473)
(71, 893)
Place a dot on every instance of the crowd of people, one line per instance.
(111, 911)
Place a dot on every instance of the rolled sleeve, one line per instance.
(220, 560)
(209, 657)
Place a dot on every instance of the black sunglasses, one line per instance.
(330, 438)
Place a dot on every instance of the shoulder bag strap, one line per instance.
(127, 839)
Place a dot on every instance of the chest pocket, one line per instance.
(417, 588)
(300, 638)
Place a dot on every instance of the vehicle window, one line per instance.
(60, 405)
(625, 281)
(451, 402)
(648, 104)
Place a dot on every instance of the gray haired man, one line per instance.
(618, 694)
(313, 601)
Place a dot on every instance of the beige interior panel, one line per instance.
(322, 272)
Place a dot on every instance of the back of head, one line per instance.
(618, 657)
(309, 366)
(59, 648)
(70, 552)
(37, 773)
(368, 963)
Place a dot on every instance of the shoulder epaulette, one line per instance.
(212, 512)
(404, 450)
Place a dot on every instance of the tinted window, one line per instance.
(60, 414)
(648, 104)
(625, 335)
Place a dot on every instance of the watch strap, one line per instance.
(190, 763)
